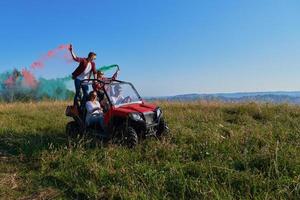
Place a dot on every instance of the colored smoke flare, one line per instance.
(40, 63)
(24, 86)
(11, 80)
(108, 67)
(63, 46)
(29, 79)
(37, 64)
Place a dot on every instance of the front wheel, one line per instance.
(124, 137)
(162, 129)
(131, 138)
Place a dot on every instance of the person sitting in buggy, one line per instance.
(117, 97)
(94, 114)
(97, 86)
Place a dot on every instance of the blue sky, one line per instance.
(164, 47)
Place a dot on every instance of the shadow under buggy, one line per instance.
(127, 118)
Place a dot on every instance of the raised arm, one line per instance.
(114, 77)
(77, 59)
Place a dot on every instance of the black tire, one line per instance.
(125, 137)
(131, 138)
(162, 129)
(72, 129)
(118, 134)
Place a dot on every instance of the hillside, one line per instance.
(215, 151)
(242, 97)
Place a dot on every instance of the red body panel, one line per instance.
(124, 110)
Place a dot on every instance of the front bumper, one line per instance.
(145, 128)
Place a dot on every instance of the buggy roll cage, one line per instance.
(108, 81)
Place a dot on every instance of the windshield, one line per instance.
(122, 93)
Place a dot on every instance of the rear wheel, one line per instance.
(72, 129)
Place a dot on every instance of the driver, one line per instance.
(117, 98)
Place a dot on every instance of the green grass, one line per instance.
(214, 151)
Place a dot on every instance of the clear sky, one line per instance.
(164, 47)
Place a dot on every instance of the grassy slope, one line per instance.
(219, 151)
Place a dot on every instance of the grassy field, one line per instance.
(214, 151)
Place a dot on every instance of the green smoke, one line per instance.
(52, 89)
(3, 77)
(108, 67)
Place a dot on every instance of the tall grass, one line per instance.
(214, 151)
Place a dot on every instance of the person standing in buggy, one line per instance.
(84, 70)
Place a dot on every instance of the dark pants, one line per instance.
(77, 96)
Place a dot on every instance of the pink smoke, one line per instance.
(37, 64)
(29, 79)
(50, 53)
(40, 63)
(64, 46)
(10, 81)
(68, 58)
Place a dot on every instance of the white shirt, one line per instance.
(90, 106)
(86, 73)
(117, 100)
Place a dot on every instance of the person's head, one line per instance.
(92, 56)
(100, 74)
(92, 95)
(117, 90)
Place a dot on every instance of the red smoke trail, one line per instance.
(37, 64)
(29, 79)
(50, 53)
(40, 63)
(68, 58)
(63, 46)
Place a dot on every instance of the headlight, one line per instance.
(158, 112)
(136, 117)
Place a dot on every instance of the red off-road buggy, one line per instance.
(127, 117)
